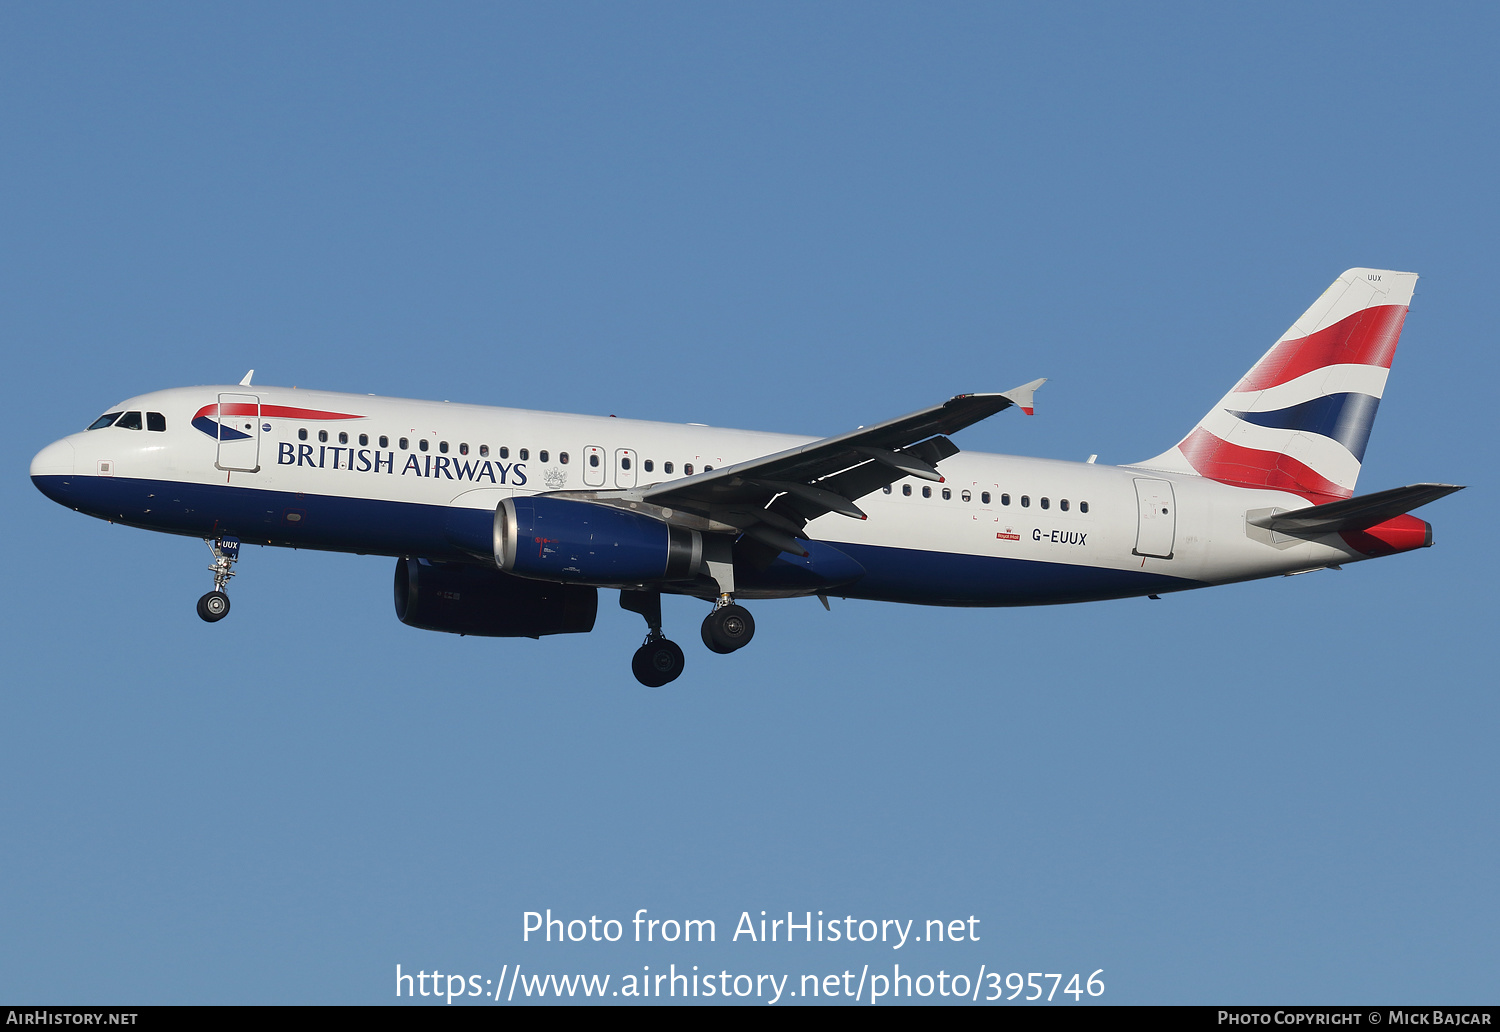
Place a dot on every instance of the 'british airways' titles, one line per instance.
(368, 460)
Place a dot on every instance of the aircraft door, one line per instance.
(1157, 530)
(625, 464)
(238, 419)
(593, 466)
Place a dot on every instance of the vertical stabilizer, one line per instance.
(1299, 419)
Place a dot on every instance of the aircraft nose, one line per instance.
(54, 460)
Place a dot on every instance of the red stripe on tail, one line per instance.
(1228, 463)
(1367, 337)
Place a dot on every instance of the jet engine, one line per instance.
(463, 599)
(560, 539)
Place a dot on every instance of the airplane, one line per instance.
(507, 523)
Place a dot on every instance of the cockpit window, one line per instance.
(130, 421)
(103, 421)
(155, 421)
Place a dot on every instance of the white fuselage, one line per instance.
(1057, 531)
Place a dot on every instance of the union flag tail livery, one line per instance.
(507, 522)
(1300, 418)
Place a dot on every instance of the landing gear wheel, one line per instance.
(728, 628)
(657, 663)
(213, 607)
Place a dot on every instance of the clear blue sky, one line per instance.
(787, 217)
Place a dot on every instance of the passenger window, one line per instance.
(156, 421)
(403, 443)
(104, 421)
(542, 455)
(484, 451)
(687, 469)
(906, 490)
(1063, 505)
(1005, 499)
(563, 458)
(1083, 506)
(364, 440)
(947, 495)
(422, 443)
(302, 433)
(323, 436)
(525, 454)
(443, 447)
(667, 466)
(1046, 504)
(343, 437)
(625, 462)
(504, 452)
(886, 488)
(707, 469)
(1025, 501)
(926, 492)
(130, 421)
(385, 442)
(650, 465)
(984, 497)
(966, 496)
(594, 460)
(463, 449)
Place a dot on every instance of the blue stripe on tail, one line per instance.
(1346, 418)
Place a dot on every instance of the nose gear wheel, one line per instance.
(213, 607)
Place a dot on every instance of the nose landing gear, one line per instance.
(214, 606)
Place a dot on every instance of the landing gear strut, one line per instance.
(729, 627)
(214, 606)
(659, 661)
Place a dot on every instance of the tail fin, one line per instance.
(1299, 419)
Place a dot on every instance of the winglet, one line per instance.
(246, 381)
(1021, 396)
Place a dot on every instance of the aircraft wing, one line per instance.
(773, 497)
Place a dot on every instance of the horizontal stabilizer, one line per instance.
(1354, 513)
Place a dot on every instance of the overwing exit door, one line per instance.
(625, 464)
(238, 419)
(593, 466)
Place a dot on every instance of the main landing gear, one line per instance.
(214, 606)
(729, 627)
(660, 661)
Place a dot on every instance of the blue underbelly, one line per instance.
(377, 527)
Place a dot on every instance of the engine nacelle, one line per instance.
(560, 539)
(464, 599)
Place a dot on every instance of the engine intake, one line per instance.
(462, 599)
(559, 539)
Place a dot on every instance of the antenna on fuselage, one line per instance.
(246, 381)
